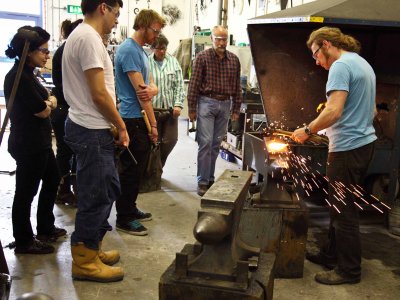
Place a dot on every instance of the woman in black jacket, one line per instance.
(29, 144)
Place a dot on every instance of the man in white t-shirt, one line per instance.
(88, 85)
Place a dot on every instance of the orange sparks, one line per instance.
(336, 208)
(377, 208)
(274, 146)
(358, 206)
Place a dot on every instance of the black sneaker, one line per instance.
(53, 236)
(321, 259)
(37, 247)
(133, 227)
(142, 216)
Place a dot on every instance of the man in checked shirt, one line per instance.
(214, 94)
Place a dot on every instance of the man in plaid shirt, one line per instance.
(167, 76)
(214, 94)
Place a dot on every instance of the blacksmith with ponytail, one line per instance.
(336, 37)
(347, 118)
(29, 144)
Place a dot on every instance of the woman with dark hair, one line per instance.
(64, 153)
(29, 144)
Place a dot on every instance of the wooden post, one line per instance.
(225, 13)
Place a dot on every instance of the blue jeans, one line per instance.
(97, 181)
(212, 122)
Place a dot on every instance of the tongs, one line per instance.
(314, 138)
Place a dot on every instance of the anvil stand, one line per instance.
(220, 265)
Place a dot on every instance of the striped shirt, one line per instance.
(211, 75)
(168, 78)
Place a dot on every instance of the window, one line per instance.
(13, 15)
(31, 7)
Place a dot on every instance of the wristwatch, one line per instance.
(307, 130)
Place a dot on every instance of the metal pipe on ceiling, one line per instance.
(59, 22)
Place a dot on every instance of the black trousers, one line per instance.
(64, 154)
(129, 172)
(32, 169)
(167, 128)
(344, 243)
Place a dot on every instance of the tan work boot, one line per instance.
(110, 257)
(86, 265)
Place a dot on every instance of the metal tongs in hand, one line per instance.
(114, 132)
(314, 138)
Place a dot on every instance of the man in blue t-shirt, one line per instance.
(135, 89)
(347, 118)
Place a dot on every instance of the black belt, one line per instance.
(217, 96)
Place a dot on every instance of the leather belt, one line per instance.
(218, 97)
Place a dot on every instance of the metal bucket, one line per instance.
(394, 220)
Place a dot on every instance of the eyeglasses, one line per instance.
(220, 38)
(44, 50)
(156, 31)
(116, 14)
(161, 48)
(314, 55)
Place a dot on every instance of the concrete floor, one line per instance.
(174, 210)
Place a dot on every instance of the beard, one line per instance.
(147, 38)
(220, 50)
(327, 58)
(160, 57)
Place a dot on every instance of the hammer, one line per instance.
(146, 120)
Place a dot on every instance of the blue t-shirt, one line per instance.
(354, 129)
(130, 57)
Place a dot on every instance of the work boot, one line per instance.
(335, 277)
(322, 259)
(86, 265)
(110, 257)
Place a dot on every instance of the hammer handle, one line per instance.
(146, 120)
